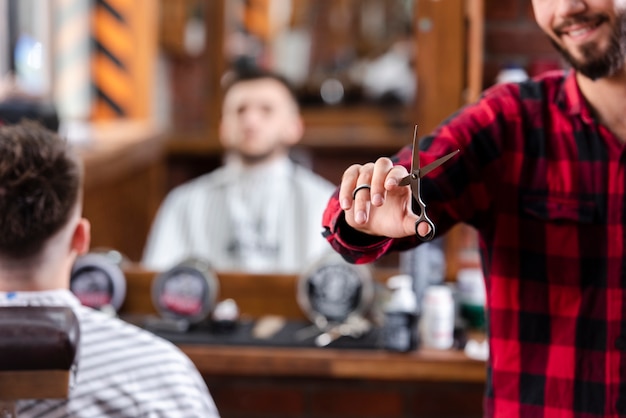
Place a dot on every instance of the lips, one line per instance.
(579, 28)
(575, 33)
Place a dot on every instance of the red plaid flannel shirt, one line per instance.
(544, 185)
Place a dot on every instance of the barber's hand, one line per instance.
(384, 209)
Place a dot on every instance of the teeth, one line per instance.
(579, 32)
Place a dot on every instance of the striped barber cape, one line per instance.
(123, 371)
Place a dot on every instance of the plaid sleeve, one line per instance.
(454, 193)
(354, 246)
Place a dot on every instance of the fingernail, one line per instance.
(391, 182)
(345, 203)
(377, 199)
(359, 217)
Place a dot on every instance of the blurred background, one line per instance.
(136, 85)
(137, 82)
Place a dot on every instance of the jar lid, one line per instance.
(331, 289)
(98, 281)
(186, 291)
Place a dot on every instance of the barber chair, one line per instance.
(38, 347)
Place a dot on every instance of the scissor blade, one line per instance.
(415, 162)
(412, 181)
(430, 167)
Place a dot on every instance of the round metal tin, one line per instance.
(98, 281)
(187, 291)
(331, 290)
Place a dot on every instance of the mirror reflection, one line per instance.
(346, 52)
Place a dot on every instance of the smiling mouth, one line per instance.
(579, 27)
(579, 32)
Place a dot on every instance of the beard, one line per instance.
(253, 158)
(595, 65)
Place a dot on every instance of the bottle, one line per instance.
(426, 264)
(471, 285)
(400, 326)
(437, 319)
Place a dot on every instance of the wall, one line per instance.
(512, 36)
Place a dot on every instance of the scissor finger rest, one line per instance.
(431, 230)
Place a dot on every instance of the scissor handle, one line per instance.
(424, 218)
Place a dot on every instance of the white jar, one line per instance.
(437, 321)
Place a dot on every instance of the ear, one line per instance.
(295, 130)
(81, 238)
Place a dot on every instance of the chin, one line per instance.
(255, 158)
(594, 62)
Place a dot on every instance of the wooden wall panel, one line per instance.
(124, 184)
(261, 397)
(440, 60)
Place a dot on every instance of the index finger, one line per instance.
(381, 170)
(348, 183)
(385, 176)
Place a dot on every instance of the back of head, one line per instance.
(40, 180)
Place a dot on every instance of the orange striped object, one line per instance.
(111, 61)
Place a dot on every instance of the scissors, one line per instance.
(414, 179)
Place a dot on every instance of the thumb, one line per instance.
(423, 229)
(409, 224)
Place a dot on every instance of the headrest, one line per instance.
(38, 338)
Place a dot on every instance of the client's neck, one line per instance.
(41, 272)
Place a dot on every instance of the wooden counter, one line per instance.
(422, 365)
(257, 382)
(262, 381)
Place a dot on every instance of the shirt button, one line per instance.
(620, 343)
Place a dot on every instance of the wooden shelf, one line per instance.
(350, 128)
(266, 294)
(422, 365)
(193, 144)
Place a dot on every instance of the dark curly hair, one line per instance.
(40, 182)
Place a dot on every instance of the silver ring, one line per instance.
(359, 187)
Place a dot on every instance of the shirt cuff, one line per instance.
(357, 240)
